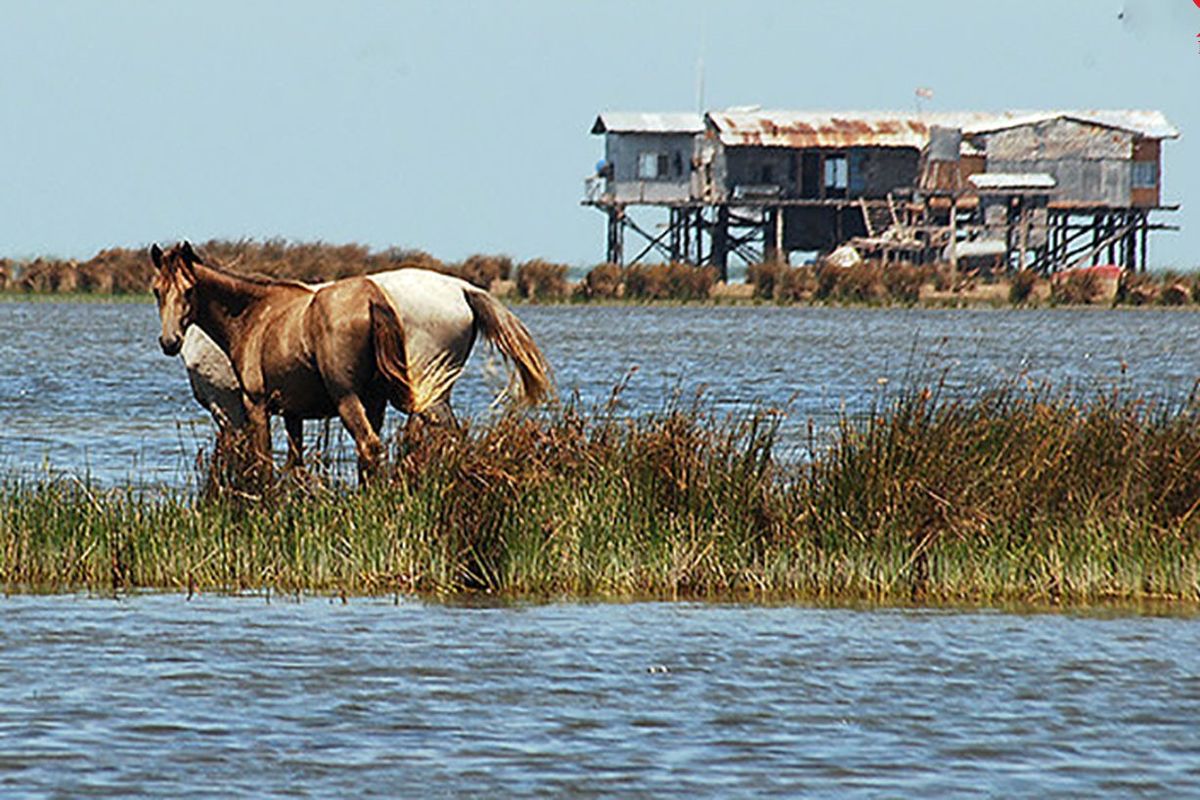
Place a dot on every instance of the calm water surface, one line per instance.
(234, 697)
(85, 389)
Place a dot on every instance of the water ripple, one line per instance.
(156, 696)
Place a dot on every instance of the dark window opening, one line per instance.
(1145, 174)
(837, 175)
(652, 166)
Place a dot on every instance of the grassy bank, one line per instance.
(1013, 496)
(120, 272)
(17, 296)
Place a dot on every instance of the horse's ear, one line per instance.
(189, 254)
(156, 255)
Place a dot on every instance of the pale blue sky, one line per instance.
(461, 127)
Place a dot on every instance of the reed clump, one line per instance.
(766, 278)
(603, 282)
(542, 280)
(1019, 494)
(672, 281)
(1077, 287)
(484, 270)
(1021, 289)
(868, 282)
(1014, 494)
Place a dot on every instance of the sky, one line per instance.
(463, 127)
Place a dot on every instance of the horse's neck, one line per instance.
(224, 303)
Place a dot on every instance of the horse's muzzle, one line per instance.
(170, 345)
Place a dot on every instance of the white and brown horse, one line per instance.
(256, 347)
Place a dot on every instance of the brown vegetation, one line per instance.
(1021, 288)
(866, 282)
(1077, 287)
(605, 282)
(669, 281)
(483, 270)
(542, 280)
(121, 270)
(766, 279)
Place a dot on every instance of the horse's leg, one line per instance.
(258, 423)
(295, 437)
(366, 440)
(375, 411)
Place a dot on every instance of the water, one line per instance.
(234, 697)
(85, 389)
(220, 696)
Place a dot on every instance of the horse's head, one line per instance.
(174, 288)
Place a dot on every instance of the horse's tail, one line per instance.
(408, 392)
(509, 335)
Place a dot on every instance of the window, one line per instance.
(652, 165)
(1145, 174)
(837, 174)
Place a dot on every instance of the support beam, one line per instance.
(953, 233)
(1145, 232)
(773, 235)
(720, 243)
(616, 236)
(654, 242)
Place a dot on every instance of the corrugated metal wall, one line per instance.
(1059, 139)
(1090, 163)
(1105, 182)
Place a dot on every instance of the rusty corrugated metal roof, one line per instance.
(648, 122)
(801, 129)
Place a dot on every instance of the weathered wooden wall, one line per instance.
(622, 150)
(876, 171)
(873, 171)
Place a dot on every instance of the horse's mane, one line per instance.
(257, 278)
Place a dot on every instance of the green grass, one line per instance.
(1016, 495)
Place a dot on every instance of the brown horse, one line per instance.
(305, 352)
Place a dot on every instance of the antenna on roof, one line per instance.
(919, 94)
(700, 62)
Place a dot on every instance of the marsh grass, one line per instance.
(1018, 494)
